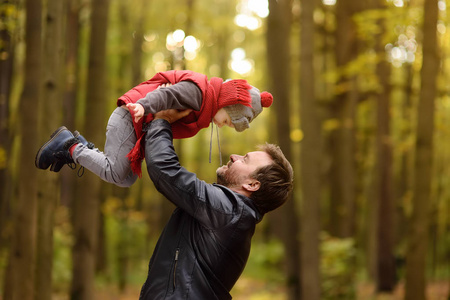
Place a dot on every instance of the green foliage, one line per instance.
(127, 241)
(338, 268)
(62, 257)
(9, 14)
(265, 260)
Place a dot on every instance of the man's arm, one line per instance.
(208, 204)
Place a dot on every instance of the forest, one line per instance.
(361, 110)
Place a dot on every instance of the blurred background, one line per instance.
(361, 109)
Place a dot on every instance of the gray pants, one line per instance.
(112, 165)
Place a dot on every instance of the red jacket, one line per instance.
(215, 94)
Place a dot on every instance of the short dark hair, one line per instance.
(276, 180)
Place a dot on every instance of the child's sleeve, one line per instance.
(183, 95)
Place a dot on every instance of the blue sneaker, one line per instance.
(55, 152)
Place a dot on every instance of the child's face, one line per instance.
(222, 118)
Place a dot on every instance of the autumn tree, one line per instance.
(310, 159)
(86, 206)
(20, 275)
(420, 219)
(385, 270)
(8, 15)
(343, 110)
(278, 56)
(48, 196)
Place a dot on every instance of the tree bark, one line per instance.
(385, 269)
(72, 38)
(310, 159)
(21, 267)
(136, 57)
(343, 167)
(278, 51)
(86, 207)
(48, 191)
(415, 286)
(7, 50)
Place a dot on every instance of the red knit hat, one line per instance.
(241, 115)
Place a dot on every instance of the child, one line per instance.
(234, 103)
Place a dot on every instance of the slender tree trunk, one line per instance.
(137, 75)
(70, 95)
(343, 168)
(48, 191)
(21, 269)
(7, 47)
(310, 159)
(403, 186)
(385, 268)
(385, 234)
(136, 57)
(415, 287)
(278, 50)
(101, 257)
(86, 207)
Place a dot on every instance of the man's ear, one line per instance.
(251, 185)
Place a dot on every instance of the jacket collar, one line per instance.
(248, 202)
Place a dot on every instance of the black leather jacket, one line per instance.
(204, 247)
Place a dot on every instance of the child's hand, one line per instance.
(164, 85)
(137, 109)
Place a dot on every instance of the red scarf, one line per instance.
(215, 95)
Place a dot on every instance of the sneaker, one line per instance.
(55, 152)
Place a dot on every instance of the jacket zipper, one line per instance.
(175, 268)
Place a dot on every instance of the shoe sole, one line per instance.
(52, 136)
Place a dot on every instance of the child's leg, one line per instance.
(112, 165)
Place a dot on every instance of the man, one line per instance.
(204, 247)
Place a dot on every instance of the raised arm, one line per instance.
(210, 204)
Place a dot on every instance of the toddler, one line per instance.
(233, 103)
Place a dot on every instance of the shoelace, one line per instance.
(80, 171)
(218, 142)
(72, 165)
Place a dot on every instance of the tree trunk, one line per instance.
(415, 286)
(136, 57)
(70, 95)
(385, 269)
(7, 47)
(278, 51)
(310, 160)
(403, 182)
(343, 167)
(48, 196)
(86, 207)
(21, 268)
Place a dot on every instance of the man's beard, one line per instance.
(227, 178)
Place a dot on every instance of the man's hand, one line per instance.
(171, 115)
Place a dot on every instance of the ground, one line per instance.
(250, 289)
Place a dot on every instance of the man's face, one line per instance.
(240, 167)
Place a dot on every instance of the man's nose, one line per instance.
(234, 157)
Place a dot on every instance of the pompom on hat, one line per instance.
(242, 115)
